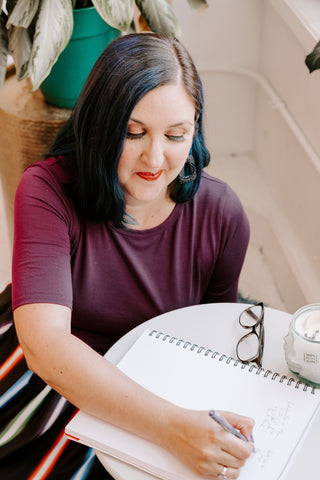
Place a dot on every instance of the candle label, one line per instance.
(310, 358)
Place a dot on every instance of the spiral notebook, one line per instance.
(199, 378)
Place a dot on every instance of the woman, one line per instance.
(120, 224)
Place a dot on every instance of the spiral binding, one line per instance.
(230, 360)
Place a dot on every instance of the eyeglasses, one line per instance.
(250, 347)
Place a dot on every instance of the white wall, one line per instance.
(288, 153)
(280, 132)
(225, 34)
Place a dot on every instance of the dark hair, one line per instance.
(93, 137)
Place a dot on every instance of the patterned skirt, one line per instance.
(32, 419)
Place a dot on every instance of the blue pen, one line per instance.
(224, 424)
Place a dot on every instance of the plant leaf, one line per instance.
(9, 5)
(313, 59)
(198, 4)
(159, 16)
(20, 48)
(23, 13)
(117, 13)
(53, 31)
(3, 48)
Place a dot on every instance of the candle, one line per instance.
(308, 325)
(302, 344)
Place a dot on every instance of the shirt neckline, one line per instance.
(154, 230)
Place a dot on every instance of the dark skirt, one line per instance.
(33, 417)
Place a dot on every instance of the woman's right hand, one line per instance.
(205, 446)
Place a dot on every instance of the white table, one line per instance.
(216, 326)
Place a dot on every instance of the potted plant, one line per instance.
(38, 33)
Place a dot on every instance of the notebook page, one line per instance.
(194, 380)
(191, 378)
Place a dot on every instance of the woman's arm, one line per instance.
(95, 385)
(76, 371)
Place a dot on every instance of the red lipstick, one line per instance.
(149, 176)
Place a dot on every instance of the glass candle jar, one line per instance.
(302, 344)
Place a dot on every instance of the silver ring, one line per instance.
(223, 474)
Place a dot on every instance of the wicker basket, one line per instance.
(28, 126)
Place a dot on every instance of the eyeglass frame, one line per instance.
(253, 330)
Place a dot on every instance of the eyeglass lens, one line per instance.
(251, 316)
(248, 347)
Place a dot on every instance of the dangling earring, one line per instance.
(191, 167)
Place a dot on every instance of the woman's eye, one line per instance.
(134, 136)
(175, 138)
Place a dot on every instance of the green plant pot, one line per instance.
(89, 38)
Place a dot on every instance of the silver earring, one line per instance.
(190, 167)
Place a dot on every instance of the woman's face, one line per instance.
(159, 138)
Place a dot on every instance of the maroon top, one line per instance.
(114, 279)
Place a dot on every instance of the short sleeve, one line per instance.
(235, 232)
(41, 270)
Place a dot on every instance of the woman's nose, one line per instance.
(153, 153)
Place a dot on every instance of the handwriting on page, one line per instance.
(274, 423)
(276, 419)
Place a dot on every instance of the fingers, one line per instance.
(234, 451)
(234, 448)
(206, 447)
(213, 468)
(227, 472)
(227, 451)
(237, 420)
(233, 456)
(230, 459)
(242, 423)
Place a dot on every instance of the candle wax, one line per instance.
(308, 325)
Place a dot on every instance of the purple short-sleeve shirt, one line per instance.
(114, 279)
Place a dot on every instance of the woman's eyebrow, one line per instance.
(179, 124)
(135, 120)
(186, 122)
